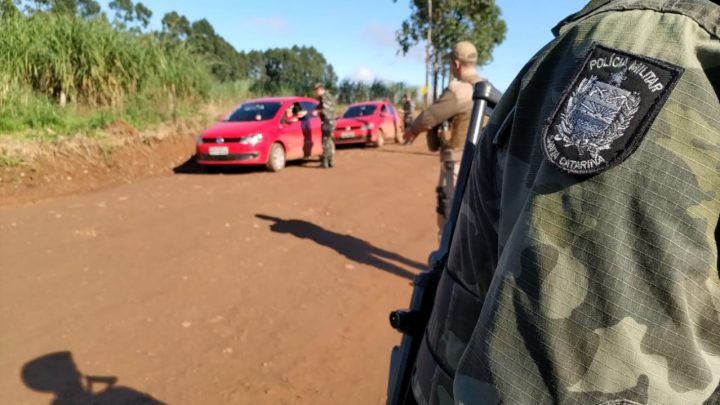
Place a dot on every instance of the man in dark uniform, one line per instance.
(584, 263)
(407, 110)
(326, 111)
(449, 117)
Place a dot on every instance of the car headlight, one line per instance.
(253, 139)
(199, 140)
(367, 127)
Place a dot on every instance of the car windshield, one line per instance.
(254, 112)
(360, 111)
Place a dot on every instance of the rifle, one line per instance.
(412, 322)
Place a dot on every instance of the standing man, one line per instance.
(326, 111)
(449, 116)
(408, 108)
(584, 264)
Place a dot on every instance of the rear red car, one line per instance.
(266, 131)
(368, 122)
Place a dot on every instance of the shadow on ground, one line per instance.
(191, 167)
(349, 246)
(57, 374)
(406, 151)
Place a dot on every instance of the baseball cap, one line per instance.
(464, 51)
(318, 86)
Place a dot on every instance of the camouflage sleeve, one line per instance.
(442, 109)
(598, 284)
(329, 107)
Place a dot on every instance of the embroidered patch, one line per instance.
(607, 110)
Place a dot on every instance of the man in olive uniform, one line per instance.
(584, 263)
(449, 116)
(326, 111)
(407, 110)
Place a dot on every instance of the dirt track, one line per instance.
(247, 287)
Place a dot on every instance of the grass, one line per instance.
(64, 77)
(9, 161)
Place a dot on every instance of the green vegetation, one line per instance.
(68, 73)
(68, 68)
(449, 22)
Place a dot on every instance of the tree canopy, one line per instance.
(449, 22)
(477, 21)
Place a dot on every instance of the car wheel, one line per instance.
(276, 158)
(380, 141)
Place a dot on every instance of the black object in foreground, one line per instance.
(412, 322)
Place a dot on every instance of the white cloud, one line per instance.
(363, 74)
(381, 35)
(270, 25)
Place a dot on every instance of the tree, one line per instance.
(477, 21)
(8, 9)
(223, 58)
(127, 13)
(175, 26)
(82, 8)
(293, 70)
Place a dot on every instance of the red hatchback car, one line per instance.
(265, 131)
(368, 122)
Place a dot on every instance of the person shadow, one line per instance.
(349, 246)
(57, 373)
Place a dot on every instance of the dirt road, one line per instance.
(247, 287)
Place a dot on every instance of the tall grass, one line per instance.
(67, 73)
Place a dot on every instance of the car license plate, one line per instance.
(218, 150)
(346, 135)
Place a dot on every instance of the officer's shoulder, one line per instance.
(460, 88)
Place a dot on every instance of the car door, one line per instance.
(395, 120)
(386, 122)
(291, 135)
(312, 132)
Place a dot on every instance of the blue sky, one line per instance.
(358, 38)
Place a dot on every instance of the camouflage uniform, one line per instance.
(407, 113)
(592, 283)
(327, 115)
(453, 106)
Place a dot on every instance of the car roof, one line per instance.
(370, 102)
(282, 99)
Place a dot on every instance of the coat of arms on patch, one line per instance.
(607, 110)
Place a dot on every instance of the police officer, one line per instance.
(326, 111)
(584, 264)
(449, 116)
(407, 110)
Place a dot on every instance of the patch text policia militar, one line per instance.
(606, 111)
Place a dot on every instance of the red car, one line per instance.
(265, 131)
(368, 122)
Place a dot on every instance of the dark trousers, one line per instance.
(327, 142)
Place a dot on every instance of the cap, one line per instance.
(464, 51)
(318, 86)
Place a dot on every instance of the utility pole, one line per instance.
(428, 48)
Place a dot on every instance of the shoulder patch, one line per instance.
(606, 111)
